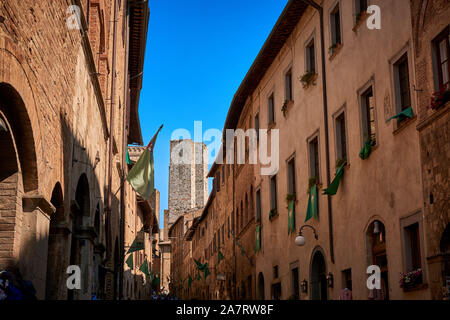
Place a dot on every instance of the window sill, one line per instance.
(417, 287)
(399, 126)
(286, 107)
(271, 219)
(311, 81)
(335, 51)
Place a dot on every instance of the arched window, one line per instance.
(376, 255)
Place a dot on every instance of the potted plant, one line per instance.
(440, 98)
(340, 162)
(272, 213)
(411, 279)
(332, 48)
(311, 182)
(284, 107)
(307, 79)
(290, 197)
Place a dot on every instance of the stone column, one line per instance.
(34, 241)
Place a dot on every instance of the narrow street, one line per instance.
(231, 150)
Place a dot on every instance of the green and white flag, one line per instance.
(141, 176)
(128, 157)
(366, 150)
(312, 211)
(220, 257)
(407, 113)
(258, 238)
(238, 244)
(138, 243)
(129, 261)
(291, 217)
(144, 268)
(333, 187)
(206, 272)
(200, 266)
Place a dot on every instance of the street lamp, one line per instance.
(300, 240)
(304, 286)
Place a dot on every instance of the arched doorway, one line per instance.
(445, 262)
(377, 255)
(261, 295)
(57, 241)
(80, 249)
(18, 176)
(116, 270)
(319, 289)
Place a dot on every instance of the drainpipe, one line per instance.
(125, 131)
(325, 120)
(111, 138)
(234, 232)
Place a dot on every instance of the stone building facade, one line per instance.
(188, 187)
(141, 221)
(314, 139)
(431, 36)
(69, 92)
(188, 192)
(164, 249)
(328, 100)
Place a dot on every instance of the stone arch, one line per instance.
(261, 292)
(116, 268)
(16, 87)
(377, 253)
(57, 244)
(18, 175)
(318, 273)
(445, 254)
(80, 250)
(16, 118)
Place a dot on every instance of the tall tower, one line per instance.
(188, 183)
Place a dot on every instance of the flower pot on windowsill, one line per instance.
(286, 106)
(411, 280)
(272, 214)
(440, 98)
(334, 49)
(308, 79)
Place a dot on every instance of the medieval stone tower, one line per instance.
(188, 183)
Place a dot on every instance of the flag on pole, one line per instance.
(333, 187)
(128, 157)
(291, 217)
(138, 243)
(258, 238)
(238, 244)
(155, 281)
(366, 150)
(144, 268)
(141, 176)
(200, 266)
(220, 257)
(206, 272)
(312, 211)
(129, 261)
(407, 113)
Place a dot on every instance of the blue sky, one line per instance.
(197, 54)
